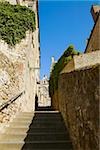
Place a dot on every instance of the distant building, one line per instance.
(93, 43)
(44, 99)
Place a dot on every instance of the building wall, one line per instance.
(55, 102)
(93, 43)
(14, 63)
(82, 60)
(25, 59)
(35, 55)
(78, 98)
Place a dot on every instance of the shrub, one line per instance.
(15, 20)
(63, 60)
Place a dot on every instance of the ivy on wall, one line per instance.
(63, 60)
(15, 20)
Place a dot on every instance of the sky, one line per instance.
(63, 23)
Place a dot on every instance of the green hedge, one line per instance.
(15, 20)
(63, 60)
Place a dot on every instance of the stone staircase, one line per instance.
(14, 135)
(45, 131)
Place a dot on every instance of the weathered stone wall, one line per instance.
(10, 78)
(55, 102)
(17, 71)
(82, 60)
(17, 74)
(12, 63)
(94, 39)
(8, 113)
(87, 59)
(79, 105)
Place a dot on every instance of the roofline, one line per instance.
(92, 31)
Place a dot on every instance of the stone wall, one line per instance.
(19, 71)
(16, 72)
(10, 78)
(55, 102)
(94, 39)
(8, 113)
(79, 105)
(82, 61)
(12, 62)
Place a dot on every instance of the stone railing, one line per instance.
(9, 109)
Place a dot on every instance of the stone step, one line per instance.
(23, 119)
(44, 145)
(46, 131)
(24, 116)
(47, 120)
(51, 117)
(22, 123)
(51, 114)
(44, 109)
(31, 146)
(43, 125)
(12, 137)
(11, 146)
(26, 113)
(46, 123)
(47, 137)
(19, 125)
(46, 117)
(17, 130)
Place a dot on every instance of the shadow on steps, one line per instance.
(47, 132)
(48, 108)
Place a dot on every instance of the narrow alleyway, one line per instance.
(47, 132)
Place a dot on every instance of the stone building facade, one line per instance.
(44, 98)
(20, 65)
(93, 43)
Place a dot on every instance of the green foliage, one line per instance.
(15, 20)
(63, 60)
(2, 0)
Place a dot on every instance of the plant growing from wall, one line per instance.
(15, 20)
(63, 60)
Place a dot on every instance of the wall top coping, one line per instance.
(82, 61)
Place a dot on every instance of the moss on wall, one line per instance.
(63, 60)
